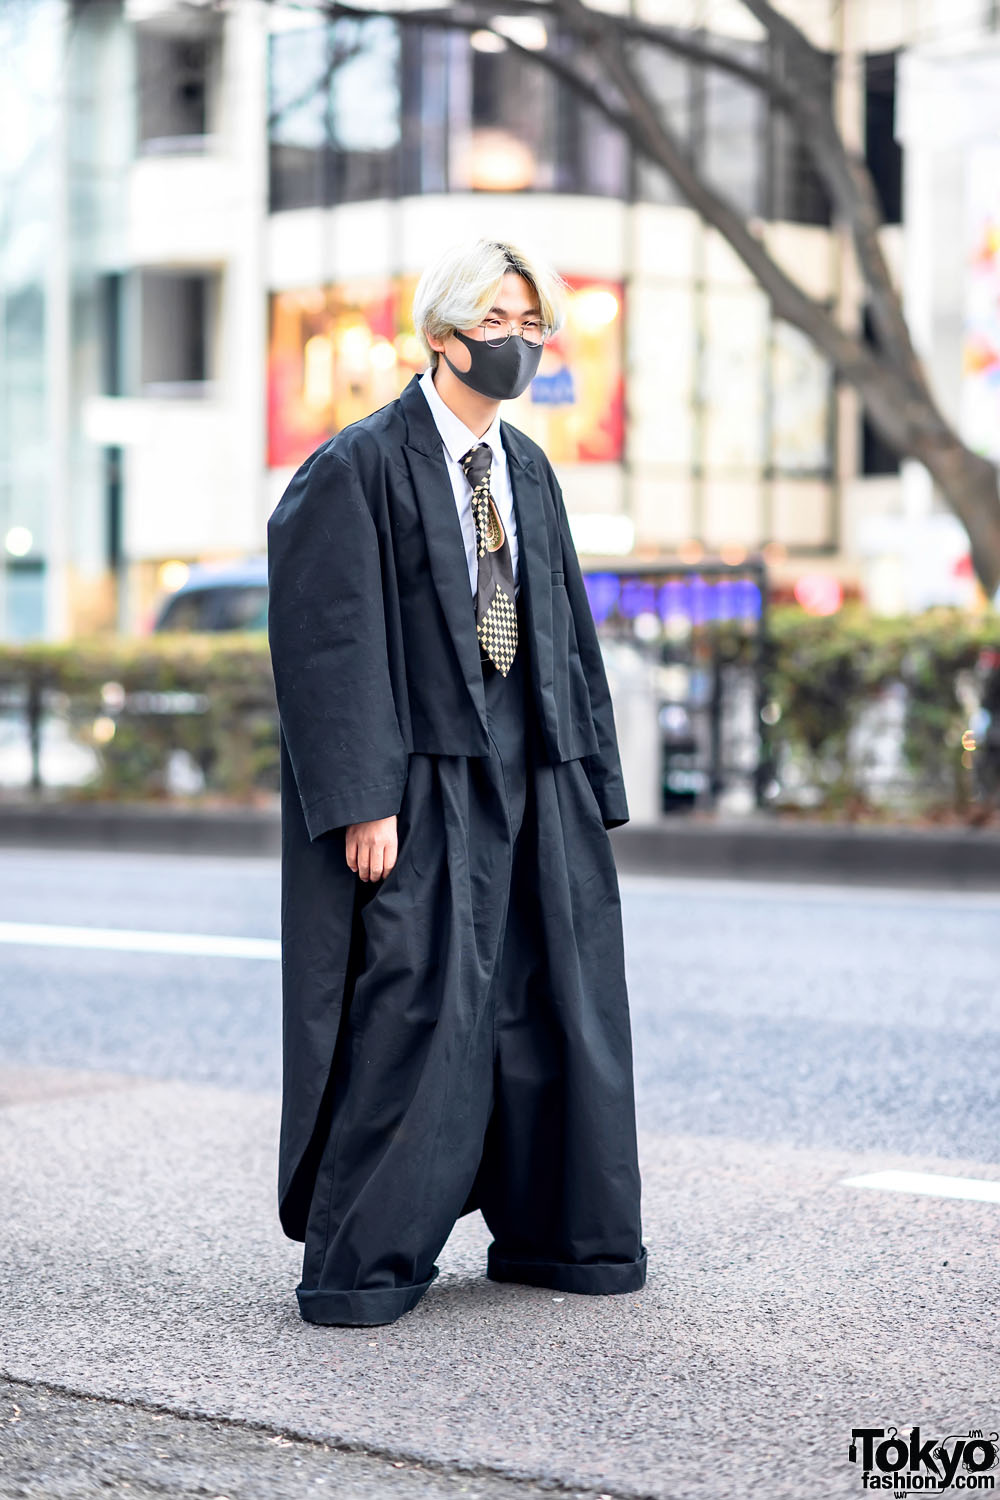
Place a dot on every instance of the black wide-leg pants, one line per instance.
(485, 1056)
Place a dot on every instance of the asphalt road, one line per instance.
(786, 1039)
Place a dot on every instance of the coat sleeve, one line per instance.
(326, 632)
(603, 768)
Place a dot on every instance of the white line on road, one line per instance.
(935, 1184)
(126, 940)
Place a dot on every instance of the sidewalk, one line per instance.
(756, 847)
(146, 1278)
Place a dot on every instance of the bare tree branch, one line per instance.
(447, 20)
(315, 86)
(688, 45)
(889, 376)
(641, 123)
(847, 180)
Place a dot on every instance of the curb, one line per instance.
(954, 858)
(962, 859)
(140, 827)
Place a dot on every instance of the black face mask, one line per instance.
(501, 373)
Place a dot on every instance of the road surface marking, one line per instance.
(933, 1183)
(126, 940)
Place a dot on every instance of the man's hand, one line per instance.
(371, 847)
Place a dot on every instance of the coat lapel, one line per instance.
(533, 564)
(443, 530)
(446, 545)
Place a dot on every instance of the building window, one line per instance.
(178, 320)
(334, 116)
(882, 153)
(363, 109)
(428, 65)
(731, 129)
(764, 393)
(23, 593)
(477, 118)
(746, 148)
(671, 83)
(507, 140)
(795, 192)
(800, 417)
(177, 86)
(111, 304)
(877, 457)
(731, 393)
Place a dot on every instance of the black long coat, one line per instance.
(372, 632)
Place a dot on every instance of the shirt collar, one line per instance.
(458, 438)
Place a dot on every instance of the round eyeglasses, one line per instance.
(496, 332)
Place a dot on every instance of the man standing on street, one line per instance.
(455, 1015)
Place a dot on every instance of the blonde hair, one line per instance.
(458, 289)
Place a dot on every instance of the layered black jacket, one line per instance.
(371, 619)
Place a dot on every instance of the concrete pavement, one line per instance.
(144, 1270)
(142, 1264)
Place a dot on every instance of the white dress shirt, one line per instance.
(456, 440)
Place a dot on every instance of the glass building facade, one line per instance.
(30, 53)
(364, 109)
(682, 375)
(211, 224)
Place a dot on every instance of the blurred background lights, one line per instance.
(674, 718)
(18, 541)
(527, 31)
(600, 533)
(495, 161)
(409, 347)
(113, 696)
(172, 575)
(702, 597)
(317, 371)
(103, 729)
(638, 597)
(674, 605)
(352, 347)
(382, 355)
(487, 41)
(602, 592)
(675, 681)
(593, 308)
(819, 593)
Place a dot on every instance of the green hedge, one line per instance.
(822, 674)
(226, 722)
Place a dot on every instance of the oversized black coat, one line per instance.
(372, 633)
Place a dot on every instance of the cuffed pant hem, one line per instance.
(360, 1307)
(598, 1278)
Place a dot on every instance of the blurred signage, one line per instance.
(819, 593)
(338, 352)
(688, 600)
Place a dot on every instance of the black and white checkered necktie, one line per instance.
(496, 611)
